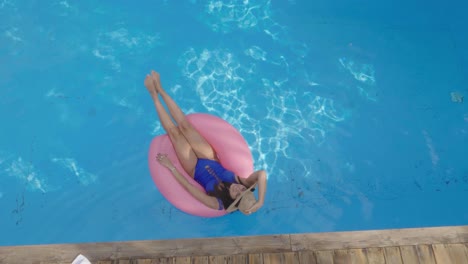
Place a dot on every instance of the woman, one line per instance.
(224, 189)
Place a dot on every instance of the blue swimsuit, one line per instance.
(206, 174)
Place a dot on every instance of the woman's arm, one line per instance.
(207, 200)
(256, 177)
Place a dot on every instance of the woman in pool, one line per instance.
(224, 189)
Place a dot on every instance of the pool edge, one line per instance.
(145, 249)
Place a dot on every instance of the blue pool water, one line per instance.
(354, 108)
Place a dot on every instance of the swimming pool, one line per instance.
(354, 109)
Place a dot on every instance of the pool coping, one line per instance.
(65, 253)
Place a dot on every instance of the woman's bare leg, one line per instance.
(199, 144)
(183, 149)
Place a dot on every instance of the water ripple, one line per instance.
(84, 177)
(256, 53)
(110, 44)
(364, 74)
(26, 172)
(218, 83)
(226, 16)
(290, 115)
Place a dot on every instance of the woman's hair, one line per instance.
(221, 191)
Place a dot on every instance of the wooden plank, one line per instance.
(273, 258)
(466, 249)
(255, 259)
(450, 253)
(170, 260)
(146, 249)
(291, 257)
(375, 255)
(324, 256)
(425, 254)
(286, 258)
(233, 245)
(238, 259)
(144, 261)
(149, 261)
(357, 256)
(441, 254)
(182, 260)
(457, 253)
(409, 254)
(225, 259)
(340, 256)
(379, 238)
(218, 260)
(200, 260)
(393, 255)
(164, 261)
(306, 257)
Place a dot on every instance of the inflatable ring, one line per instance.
(232, 151)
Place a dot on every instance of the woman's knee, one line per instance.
(174, 132)
(185, 126)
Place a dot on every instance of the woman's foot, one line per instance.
(150, 86)
(156, 81)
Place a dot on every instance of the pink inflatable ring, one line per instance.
(231, 148)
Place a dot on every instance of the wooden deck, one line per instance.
(419, 245)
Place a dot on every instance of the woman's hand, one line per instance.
(165, 161)
(156, 77)
(254, 207)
